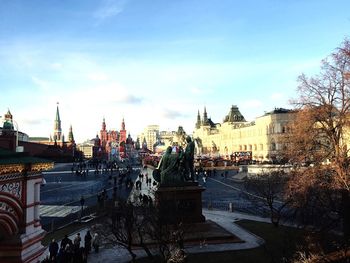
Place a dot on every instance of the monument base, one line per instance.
(180, 203)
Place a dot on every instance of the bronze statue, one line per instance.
(189, 159)
(168, 169)
(175, 168)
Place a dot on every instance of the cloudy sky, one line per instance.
(157, 61)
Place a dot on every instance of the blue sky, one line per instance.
(157, 61)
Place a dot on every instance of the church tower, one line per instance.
(57, 129)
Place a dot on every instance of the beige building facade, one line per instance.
(260, 138)
(155, 138)
(87, 149)
(150, 135)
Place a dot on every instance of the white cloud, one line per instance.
(196, 90)
(109, 8)
(253, 103)
(56, 66)
(97, 76)
(171, 114)
(42, 84)
(277, 96)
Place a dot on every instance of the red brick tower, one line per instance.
(103, 134)
(122, 137)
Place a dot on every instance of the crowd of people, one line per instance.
(77, 249)
(72, 251)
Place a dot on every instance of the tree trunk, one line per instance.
(274, 218)
(132, 254)
(346, 214)
(148, 252)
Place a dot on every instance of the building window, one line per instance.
(273, 145)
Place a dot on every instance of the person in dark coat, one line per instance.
(65, 241)
(87, 240)
(96, 242)
(76, 241)
(53, 249)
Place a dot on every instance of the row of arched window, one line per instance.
(272, 129)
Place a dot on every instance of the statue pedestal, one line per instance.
(180, 203)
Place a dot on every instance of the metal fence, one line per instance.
(236, 206)
(59, 222)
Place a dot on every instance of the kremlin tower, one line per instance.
(57, 127)
(70, 135)
(58, 137)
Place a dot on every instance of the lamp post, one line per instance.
(82, 202)
(15, 122)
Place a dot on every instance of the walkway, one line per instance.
(145, 188)
(223, 218)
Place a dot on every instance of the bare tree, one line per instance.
(269, 189)
(131, 226)
(317, 145)
(121, 228)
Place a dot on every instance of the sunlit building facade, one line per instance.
(261, 139)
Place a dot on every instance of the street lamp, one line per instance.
(15, 122)
(82, 202)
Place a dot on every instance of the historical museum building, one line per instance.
(113, 143)
(235, 137)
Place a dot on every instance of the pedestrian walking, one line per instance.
(65, 241)
(53, 249)
(76, 241)
(87, 242)
(96, 242)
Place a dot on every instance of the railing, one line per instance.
(239, 207)
(58, 222)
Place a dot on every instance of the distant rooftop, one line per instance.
(38, 139)
(9, 157)
(277, 111)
